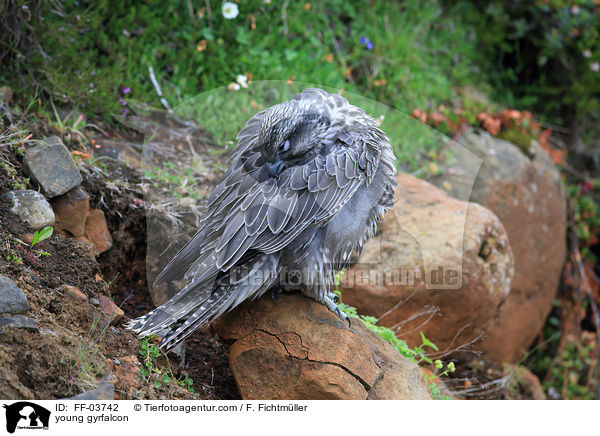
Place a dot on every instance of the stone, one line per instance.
(440, 266)
(109, 308)
(522, 384)
(95, 301)
(75, 293)
(71, 211)
(121, 151)
(32, 208)
(295, 348)
(12, 299)
(51, 165)
(527, 195)
(104, 392)
(18, 322)
(96, 230)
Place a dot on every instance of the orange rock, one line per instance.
(96, 230)
(440, 266)
(75, 293)
(71, 210)
(527, 195)
(26, 237)
(108, 307)
(295, 348)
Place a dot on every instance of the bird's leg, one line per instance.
(334, 297)
(328, 301)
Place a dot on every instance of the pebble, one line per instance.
(31, 207)
(95, 301)
(12, 299)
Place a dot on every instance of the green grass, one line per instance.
(224, 112)
(93, 50)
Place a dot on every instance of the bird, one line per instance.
(308, 182)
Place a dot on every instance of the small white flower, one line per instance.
(595, 66)
(242, 80)
(233, 86)
(587, 53)
(230, 10)
(575, 10)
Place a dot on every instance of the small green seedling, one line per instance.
(39, 236)
(42, 235)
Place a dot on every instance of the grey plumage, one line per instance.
(307, 183)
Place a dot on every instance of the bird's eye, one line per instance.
(285, 146)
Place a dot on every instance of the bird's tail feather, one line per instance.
(198, 304)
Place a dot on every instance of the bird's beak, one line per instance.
(275, 168)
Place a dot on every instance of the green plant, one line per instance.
(14, 258)
(417, 354)
(41, 235)
(152, 372)
(542, 55)
(38, 236)
(91, 53)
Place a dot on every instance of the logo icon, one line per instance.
(26, 415)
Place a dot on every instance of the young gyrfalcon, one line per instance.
(309, 180)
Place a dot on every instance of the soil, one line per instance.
(75, 345)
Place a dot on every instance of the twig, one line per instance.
(157, 88)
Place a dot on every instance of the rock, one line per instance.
(440, 266)
(51, 165)
(104, 391)
(26, 237)
(522, 384)
(18, 322)
(295, 348)
(6, 94)
(75, 293)
(95, 301)
(108, 307)
(96, 230)
(31, 207)
(71, 211)
(12, 299)
(122, 151)
(528, 197)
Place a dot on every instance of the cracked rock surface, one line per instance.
(292, 347)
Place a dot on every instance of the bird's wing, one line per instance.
(266, 214)
(250, 210)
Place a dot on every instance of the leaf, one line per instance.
(41, 235)
(428, 343)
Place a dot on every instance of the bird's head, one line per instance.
(290, 133)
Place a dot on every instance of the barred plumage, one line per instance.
(307, 183)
